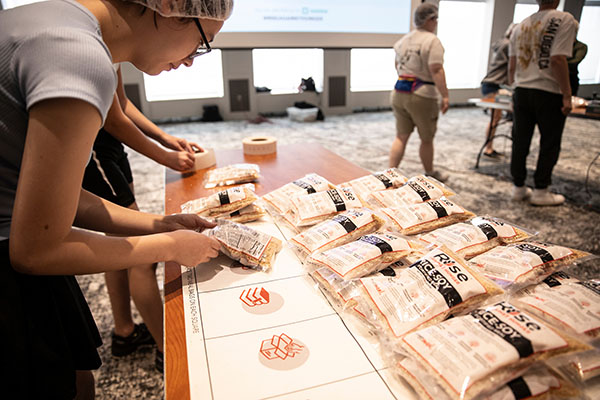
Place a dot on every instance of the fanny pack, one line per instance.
(409, 83)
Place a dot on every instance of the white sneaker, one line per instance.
(544, 197)
(520, 193)
(439, 175)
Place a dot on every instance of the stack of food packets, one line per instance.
(443, 289)
(236, 204)
(231, 175)
(279, 199)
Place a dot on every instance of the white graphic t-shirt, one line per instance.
(534, 41)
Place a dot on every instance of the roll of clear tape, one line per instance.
(259, 145)
(204, 159)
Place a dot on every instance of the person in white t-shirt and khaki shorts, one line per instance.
(421, 82)
(539, 47)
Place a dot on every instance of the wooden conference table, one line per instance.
(289, 163)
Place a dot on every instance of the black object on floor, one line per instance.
(122, 346)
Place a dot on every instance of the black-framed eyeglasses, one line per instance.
(206, 48)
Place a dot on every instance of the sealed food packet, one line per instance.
(568, 304)
(313, 208)
(425, 293)
(382, 180)
(342, 291)
(525, 263)
(246, 245)
(580, 367)
(231, 175)
(538, 382)
(279, 199)
(472, 354)
(363, 256)
(417, 189)
(220, 203)
(480, 234)
(340, 229)
(423, 217)
(247, 214)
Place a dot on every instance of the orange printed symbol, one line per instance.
(490, 357)
(585, 303)
(255, 297)
(473, 343)
(281, 346)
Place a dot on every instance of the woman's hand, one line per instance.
(193, 248)
(176, 222)
(179, 160)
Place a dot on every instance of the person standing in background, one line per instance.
(539, 47)
(419, 63)
(579, 52)
(497, 75)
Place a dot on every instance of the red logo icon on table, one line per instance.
(281, 346)
(255, 297)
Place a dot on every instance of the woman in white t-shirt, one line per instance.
(56, 84)
(419, 63)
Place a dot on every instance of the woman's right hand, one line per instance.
(193, 248)
(179, 160)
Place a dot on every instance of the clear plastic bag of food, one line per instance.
(581, 367)
(343, 291)
(474, 353)
(311, 209)
(382, 180)
(417, 189)
(221, 203)
(231, 175)
(250, 247)
(476, 236)
(526, 263)
(423, 217)
(425, 293)
(566, 302)
(279, 200)
(247, 214)
(340, 229)
(363, 256)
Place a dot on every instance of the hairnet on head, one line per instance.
(218, 10)
(424, 12)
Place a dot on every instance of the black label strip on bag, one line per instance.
(488, 230)
(385, 180)
(519, 388)
(593, 286)
(388, 271)
(309, 189)
(235, 213)
(540, 252)
(224, 197)
(420, 190)
(381, 244)
(552, 282)
(337, 200)
(495, 325)
(345, 222)
(438, 208)
(439, 282)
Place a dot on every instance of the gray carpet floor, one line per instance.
(365, 139)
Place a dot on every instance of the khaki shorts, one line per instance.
(411, 110)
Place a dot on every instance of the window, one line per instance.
(463, 33)
(524, 8)
(589, 69)
(372, 69)
(281, 70)
(204, 79)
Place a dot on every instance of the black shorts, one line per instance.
(108, 173)
(47, 332)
